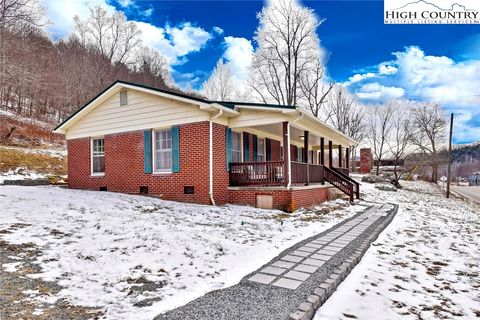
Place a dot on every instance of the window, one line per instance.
(98, 156)
(236, 147)
(260, 149)
(123, 98)
(162, 156)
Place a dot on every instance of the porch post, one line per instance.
(286, 153)
(330, 155)
(347, 158)
(340, 156)
(305, 153)
(322, 151)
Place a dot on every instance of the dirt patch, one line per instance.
(40, 163)
(24, 297)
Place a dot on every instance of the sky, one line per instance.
(378, 62)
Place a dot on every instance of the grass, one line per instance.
(10, 159)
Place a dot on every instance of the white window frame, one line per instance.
(120, 96)
(241, 145)
(98, 174)
(154, 152)
(263, 154)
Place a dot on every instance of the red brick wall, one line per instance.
(288, 200)
(124, 163)
(308, 197)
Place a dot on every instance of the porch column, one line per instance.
(347, 158)
(286, 153)
(330, 155)
(340, 156)
(305, 154)
(322, 151)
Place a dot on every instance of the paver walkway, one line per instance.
(276, 289)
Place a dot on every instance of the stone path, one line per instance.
(277, 289)
(296, 266)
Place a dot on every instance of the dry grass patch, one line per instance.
(10, 159)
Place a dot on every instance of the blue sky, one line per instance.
(377, 61)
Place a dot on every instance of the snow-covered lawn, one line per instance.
(136, 257)
(425, 265)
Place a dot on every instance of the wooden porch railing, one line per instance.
(345, 171)
(266, 173)
(316, 173)
(356, 185)
(299, 172)
(338, 180)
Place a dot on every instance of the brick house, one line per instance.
(136, 139)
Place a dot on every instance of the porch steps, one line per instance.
(334, 193)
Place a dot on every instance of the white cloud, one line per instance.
(376, 91)
(174, 42)
(218, 30)
(359, 77)
(60, 15)
(125, 3)
(238, 53)
(385, 69)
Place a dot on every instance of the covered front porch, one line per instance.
(316, 154)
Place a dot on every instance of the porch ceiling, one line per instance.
(274, 131)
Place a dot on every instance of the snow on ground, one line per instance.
(21, 173)
(136, 256)
(425, 265)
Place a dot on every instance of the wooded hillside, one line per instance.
(45, 80)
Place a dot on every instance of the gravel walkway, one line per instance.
(276, 289)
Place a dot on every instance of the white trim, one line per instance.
(241, 143)
(96, 174)
(154, 153)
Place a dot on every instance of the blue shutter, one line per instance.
(246, 147)
(228, 140)
(255, 148)
(175, 150)
(147, 151)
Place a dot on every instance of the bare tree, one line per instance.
(346, 115)
(314, 90)
(380, 122)
(152, 63)
(429, 132)
(400, 136)
(114, 36)
(220, 85)
(17, 13)
(287, 47)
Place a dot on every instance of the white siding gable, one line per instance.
(143, 111)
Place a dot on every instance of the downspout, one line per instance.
(289, 153)
(211, 154)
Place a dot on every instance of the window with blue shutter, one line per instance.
(147, 151)
(228, 139)
(175, 149)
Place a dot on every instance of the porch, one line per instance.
(316, 154)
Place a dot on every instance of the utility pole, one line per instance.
(449, 172)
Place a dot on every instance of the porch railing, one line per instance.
(299, 172)
(266, 173)
(356, 185)
(316, 173)
(338, 180)
(345, 171)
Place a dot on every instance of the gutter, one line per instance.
(210, 193)
(289, 153)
